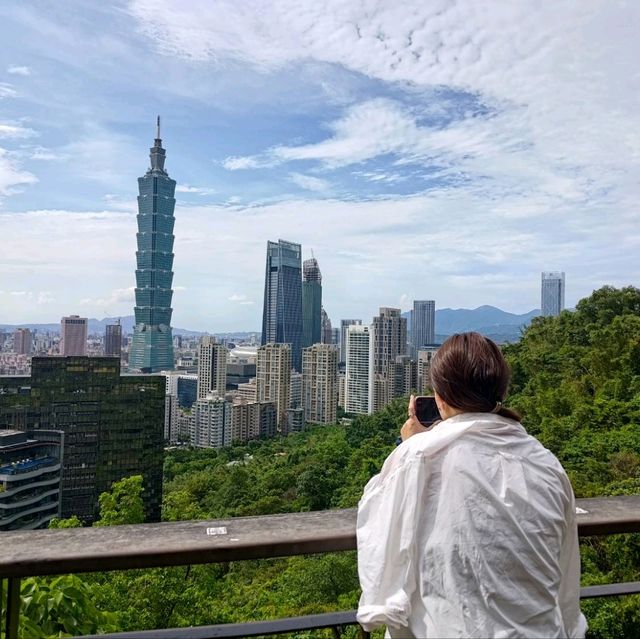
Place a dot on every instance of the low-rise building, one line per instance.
(30, 478)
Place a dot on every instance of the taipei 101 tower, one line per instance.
(152, 345)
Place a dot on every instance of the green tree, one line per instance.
(71, 522)
(60, 607)
(123, 503)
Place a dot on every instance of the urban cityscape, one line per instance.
(239, 239)
(212, 392)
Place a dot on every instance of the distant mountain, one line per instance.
(96, 326)
(493, 322)
(482, 319)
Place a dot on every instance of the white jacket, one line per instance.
(469, 530)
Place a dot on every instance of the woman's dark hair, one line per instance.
(470, 373)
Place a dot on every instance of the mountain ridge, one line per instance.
(489, 320)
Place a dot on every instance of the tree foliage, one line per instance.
(123, 503)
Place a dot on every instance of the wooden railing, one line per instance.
(79, 550)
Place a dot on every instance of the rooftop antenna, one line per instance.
(158, 128)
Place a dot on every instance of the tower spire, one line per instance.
(157, 153)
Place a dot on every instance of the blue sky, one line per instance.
(450, 151)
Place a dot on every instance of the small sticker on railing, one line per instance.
(581, 511)
(220, 530)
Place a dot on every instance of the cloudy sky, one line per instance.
(445, 150)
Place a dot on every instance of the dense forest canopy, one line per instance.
(576, 381)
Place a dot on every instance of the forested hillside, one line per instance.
(576, 380)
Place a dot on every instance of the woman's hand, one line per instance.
(412, 426)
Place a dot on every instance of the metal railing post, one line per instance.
(362, 633)
(13, 608)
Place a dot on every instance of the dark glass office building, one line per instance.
(113, 340)
(311, 303)
(282, 313)
(152, 345)
(113, 425)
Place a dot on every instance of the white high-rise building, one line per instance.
(356, 394)
(341, 389)
(212, 423)
(248, 390)
(73, 336)
(273, 379)
(423, 324)
(388, 340)
(344, 326)
(400, 378)
(424, 364)
(251, 420)
(295, 390)
(319, 383)
(552, 293)
(212, 368)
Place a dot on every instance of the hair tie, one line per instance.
(498, 407)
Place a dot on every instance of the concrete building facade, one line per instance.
(73, 336)
(388, 341)
(273, 379)
(357, 349)
(320, 383)
(212, 368)
(22, 341)
(30, 478)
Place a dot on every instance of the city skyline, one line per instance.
(431, 167)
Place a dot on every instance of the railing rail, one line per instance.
(79, 550)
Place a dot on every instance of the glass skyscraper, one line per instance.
(112, 424)
(152, 345)
(282, 313)
(311, 303)
(423, 325)
(552, 293)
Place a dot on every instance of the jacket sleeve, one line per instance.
(387, 563)
(575, 624)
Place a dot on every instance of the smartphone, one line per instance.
(427, 410)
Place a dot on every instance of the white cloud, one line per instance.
(7, 91)
(42, 153)
(103, 155)
(558, 82)
(19, 70)
(240, 298)
(309, 182)
(45, 297)
(434, 246)
(15, 131)
(233, 163)
(116, 298)
(198, 190)
(12, 177)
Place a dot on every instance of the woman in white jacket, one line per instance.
(469, 529)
